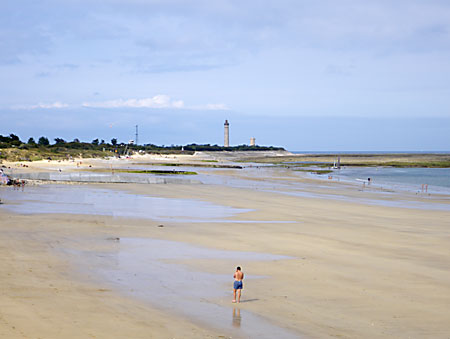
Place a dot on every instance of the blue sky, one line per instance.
(306, 75)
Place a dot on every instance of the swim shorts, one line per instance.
(237, 285)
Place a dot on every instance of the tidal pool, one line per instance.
(147, 269)
(83, 199)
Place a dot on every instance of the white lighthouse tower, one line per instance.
(226, 131)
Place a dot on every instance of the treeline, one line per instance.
(99, 144)
(13, 149)
(43, 142)
(211, 148)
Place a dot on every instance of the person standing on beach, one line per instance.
(237, 285)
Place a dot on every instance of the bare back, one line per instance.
(238, 275)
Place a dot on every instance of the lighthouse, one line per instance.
(226, 132)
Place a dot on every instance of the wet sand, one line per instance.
(354, 269)
(43, 295)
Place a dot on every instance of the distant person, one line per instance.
(238, 285)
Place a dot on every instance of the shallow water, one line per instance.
(81, 199)
(308, 190)
(145, 269)
(405, 179)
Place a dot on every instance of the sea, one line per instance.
(370, 152)
(434, 180)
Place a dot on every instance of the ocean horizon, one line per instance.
(370, 152)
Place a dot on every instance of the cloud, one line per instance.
(339, 70)
(67, 66)
(158, 101)
(43, 74)
(56, 69)
(56, 105)
(211, 107)
(171, 36)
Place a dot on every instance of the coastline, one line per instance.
(358, 270)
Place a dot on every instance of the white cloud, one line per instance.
(158, 101)
(56, 104)
(211, 107)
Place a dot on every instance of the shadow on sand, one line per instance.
(248, 300)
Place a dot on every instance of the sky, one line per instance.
(305, 75)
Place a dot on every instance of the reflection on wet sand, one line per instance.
(137, 265)
(237, 317)
(79, 199)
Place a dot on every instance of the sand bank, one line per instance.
(43, 296)
(356, 271)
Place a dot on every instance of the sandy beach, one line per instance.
(316, 266)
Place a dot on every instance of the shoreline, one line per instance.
(346, 279)
(301, 183)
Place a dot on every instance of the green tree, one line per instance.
(14, 140)
(31, 141)
(14, 137)
(59, 141)
(43, 141)
(95, 142)
(114, 141)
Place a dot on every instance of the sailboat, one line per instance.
(338, 165)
